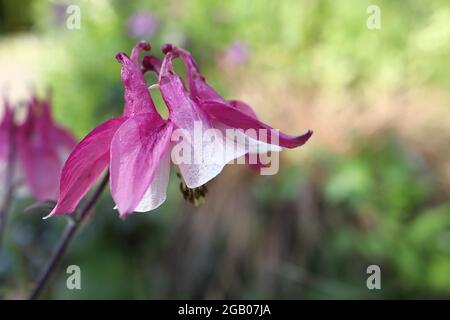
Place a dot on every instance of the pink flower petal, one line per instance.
(184, 112)
(238, 119)
(41, 167)
(137, 96)
(137, 49)
(234, 113)
(198, 87)
(136, 151)
(63, 141)
(84, 165)
(205, 157)
(243, 107)
(157, 192)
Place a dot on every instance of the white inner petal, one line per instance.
(217, 148)
(157, 192)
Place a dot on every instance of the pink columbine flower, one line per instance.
(138, 146)
(41, 145)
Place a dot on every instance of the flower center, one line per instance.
(195, 196)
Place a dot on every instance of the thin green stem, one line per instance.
(68, 235)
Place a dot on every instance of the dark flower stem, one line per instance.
(69, 232)
(9, 183)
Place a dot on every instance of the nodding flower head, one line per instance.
(137, 146)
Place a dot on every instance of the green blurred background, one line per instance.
(370, 187)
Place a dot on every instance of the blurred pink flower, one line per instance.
(42, 147)
(142, 25)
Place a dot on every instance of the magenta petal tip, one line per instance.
(301, 140)
(144, 45)
(167, 48)
(120, 56)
